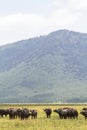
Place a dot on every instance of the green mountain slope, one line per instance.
(50, 68)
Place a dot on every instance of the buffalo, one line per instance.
(24, 114)
(63, 113)
(13, 112)
(84, 112)
(4, 112)
(48, 112)
(33, 113)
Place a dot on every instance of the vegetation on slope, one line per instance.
(50, 68)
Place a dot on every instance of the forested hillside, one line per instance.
(50, 68)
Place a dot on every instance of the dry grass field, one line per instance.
(43, 123)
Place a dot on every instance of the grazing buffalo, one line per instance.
(48, 112)
(84, 113)
(33, 113)
(65, 113)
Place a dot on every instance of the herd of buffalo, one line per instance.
(17, 112)
(64, 113)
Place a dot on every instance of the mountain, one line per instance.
(51, 68)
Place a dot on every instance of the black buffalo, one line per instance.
(63, 113)
(58, 111)
(12, 113)
(24, 114)
(84, 113)
(4, 112)
(48, 112)
(33, 113)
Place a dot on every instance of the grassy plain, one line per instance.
(42, 123)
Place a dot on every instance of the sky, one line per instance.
(23, 19)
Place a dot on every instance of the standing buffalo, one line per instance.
(33, 113)
(12, 113)
(48, 112)
(24, 114)
(63, 113)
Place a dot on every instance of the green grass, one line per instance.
(42, 123)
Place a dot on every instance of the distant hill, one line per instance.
(50, 68)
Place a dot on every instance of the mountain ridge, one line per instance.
(51, 68)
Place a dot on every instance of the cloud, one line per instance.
(20, 26)
(70, 15)
(74, 12)
(70, 4)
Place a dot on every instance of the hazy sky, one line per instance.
(22, 19)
